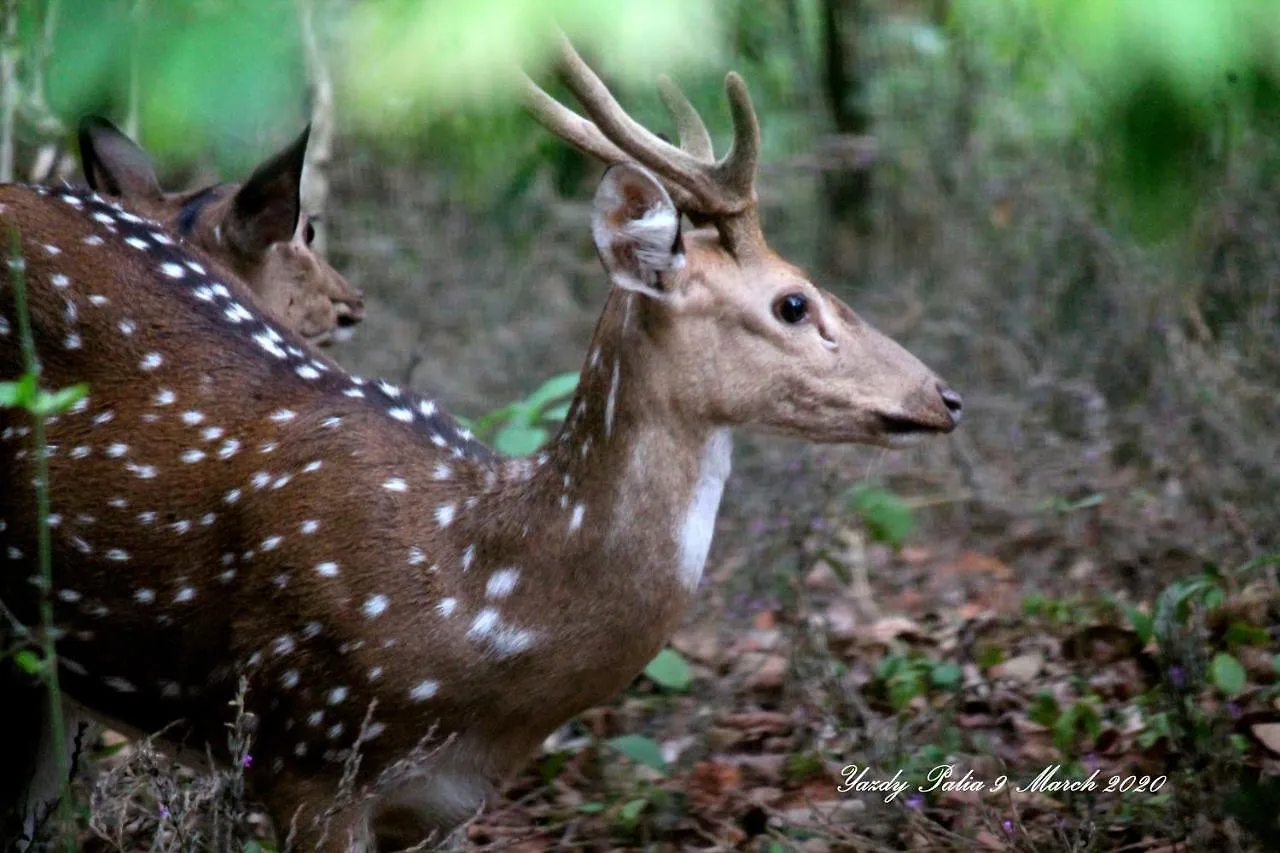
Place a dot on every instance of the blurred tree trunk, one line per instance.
(847, 191)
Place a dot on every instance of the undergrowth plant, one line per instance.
(37, 654)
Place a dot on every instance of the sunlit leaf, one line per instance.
(1227, 674)
(518, 440)
(669, 669)
(639, 749)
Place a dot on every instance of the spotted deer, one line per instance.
(229, 503)
(257, 228)
(270, 251)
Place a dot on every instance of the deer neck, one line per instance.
(605, 534)
(639, 477)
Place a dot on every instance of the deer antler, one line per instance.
(721, 190)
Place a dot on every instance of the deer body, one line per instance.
(228, 502)
(329, 537)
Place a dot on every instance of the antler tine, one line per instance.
(739, 166)
(677, 166)
(583, 134)
(694, 137)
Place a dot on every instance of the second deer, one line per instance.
(257, 228)
(230, 504)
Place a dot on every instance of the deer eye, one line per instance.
(792, 308)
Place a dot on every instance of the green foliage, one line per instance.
(1160, 83)
(1228, 674)
(639, 749)
(886, 516)
(210, 74)
(408, 59)
(670, 670)
(30, 662)
(900, 678)
(520, 428)
(25, 394)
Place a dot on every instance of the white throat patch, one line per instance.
(699, 523)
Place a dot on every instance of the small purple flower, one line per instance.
(757, 527)
(1177, 676)
(1091, 762)
(818, 523)
(1233, 710)
(1008, 826)
(915, 801)
(164, 813)
(247, 761)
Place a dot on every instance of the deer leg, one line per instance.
(311, 814)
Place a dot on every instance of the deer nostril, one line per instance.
(952, 400)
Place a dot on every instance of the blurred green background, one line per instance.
(1067, 207)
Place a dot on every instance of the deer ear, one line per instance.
(113, 163)
(266, 208)
(637, 230)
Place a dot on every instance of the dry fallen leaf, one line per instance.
(769, 673)
(891, 628)
(1021, 669)
(1267, 734)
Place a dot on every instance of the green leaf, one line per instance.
(23, 393)
(632, 808)
(1227, 674)
(553, 389)
(669, 669)
(29, 662)
(8, 395)
(639, 749)
(945, 674)
(1275, 664)
(1243, 634)
(1044, 709)
(51, 403)
(556, 413)
(887, 518)
(1142, 624)
(989, 655)
(591, 808)
(1034, 604)
(519, 440)
(905, 687)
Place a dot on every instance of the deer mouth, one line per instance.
(898, 427)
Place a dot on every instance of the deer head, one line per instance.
(256, 228)
(746, 337)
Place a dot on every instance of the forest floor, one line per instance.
(906, 697)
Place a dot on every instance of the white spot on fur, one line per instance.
(502, 582)
(424, 690)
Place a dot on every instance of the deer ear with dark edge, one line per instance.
(267, 206)
(113, 163)
(636, 228)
